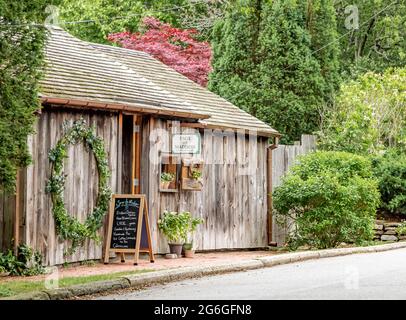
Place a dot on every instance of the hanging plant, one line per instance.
(67, 227)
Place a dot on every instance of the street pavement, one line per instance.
(379, 275)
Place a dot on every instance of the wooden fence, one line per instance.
(282, 158)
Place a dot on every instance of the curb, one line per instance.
(171, 275)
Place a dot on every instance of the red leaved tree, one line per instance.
(174, 47)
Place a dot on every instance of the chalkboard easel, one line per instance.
(128, 227)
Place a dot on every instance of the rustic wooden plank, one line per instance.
(52, 237)
(120, 152)
(219, 194)
(8, 207)
(153, 192)
(229, 190)
(208, 237)
(263, 190)
(240, 158)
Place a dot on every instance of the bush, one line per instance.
(331, 197)
(369, 115)
(26, 263)
(390, 170)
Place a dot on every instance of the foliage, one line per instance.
(112, 16)
(175, 47)
(321, 23)
(369, 114)
(196, 174)
(27, 262)
(401, 230)
(331, 197)
(167, 176)
(188, 246)
(70, 228)
(21, 61)
(390, 170)
(176, 226)
(103, 17)
(263, 62)
(380, 40)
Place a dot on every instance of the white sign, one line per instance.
(186, 143)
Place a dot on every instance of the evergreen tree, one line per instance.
(235, 50)
(263, 62)
(322, 25)
(291, 88)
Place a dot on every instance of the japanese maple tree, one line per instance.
(180, 49)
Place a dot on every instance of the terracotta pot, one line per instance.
(189, 253)
(176, 248)
(165, 184)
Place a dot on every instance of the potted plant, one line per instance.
(166, 179)
(196, 174)
(176, 226)
(189, 251)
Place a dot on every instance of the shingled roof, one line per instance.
(80, 71)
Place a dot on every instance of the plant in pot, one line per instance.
(188, 245)
(175, 226)
(166, 179)
(196, 174)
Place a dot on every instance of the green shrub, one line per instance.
(390, 170)
(331, 197)
(401, 230)
(27, 262)
(369, 115)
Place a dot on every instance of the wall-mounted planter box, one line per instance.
(168, 165)
(192, 175)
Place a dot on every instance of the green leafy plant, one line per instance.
(390, 170)
(401, 230)
(167, 177)
(196, 174)
(188, 246)
(330, 197)
(68, 227)
(27, 262)
(21, 68)
(176, 226)
(369, 115)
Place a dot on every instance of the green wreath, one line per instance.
(67, 227)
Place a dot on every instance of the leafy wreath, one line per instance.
(67, 227)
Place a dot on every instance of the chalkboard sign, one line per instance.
(125, 222)
(128, 229)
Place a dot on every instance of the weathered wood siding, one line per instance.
(283, 157)
(81, 183)
(7, 209)
(233, 202)
(7, 215)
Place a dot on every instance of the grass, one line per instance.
(11, 288)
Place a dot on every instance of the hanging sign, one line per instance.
(128, 228)
(186, 143)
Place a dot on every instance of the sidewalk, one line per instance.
(126, 276)
(200, 259)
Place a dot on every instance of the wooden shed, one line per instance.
(142, 109)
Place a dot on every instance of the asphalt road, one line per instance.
(362, 276)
